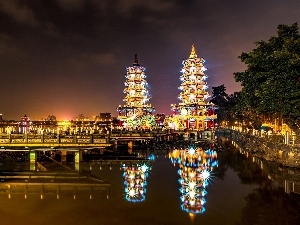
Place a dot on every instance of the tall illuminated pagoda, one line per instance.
(193, 111)
(136, 113)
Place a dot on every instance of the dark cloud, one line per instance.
(67, 57)
(8, 49)
(71, 5)
(19, 12)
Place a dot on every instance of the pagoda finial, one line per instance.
(136, 62)
(193, 52)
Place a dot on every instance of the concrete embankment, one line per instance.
(283, 154)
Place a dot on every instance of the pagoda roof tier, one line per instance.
(135, 107)
(193, 106)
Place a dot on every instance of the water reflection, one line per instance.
(135, 180)
(245, 191)
(50, 183)
(195, 167)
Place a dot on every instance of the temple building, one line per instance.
(136, 113)
(194, 111)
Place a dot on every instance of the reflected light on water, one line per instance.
(135, 181)
(195, 167)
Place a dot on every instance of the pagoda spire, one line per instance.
(136, 61)
(193, 52)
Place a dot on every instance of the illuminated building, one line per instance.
(195, 167)
(193, 112)
(135, 181)
(24, 124)
(105, 116)
(81, 117)
(104, 121)
(136, 113)
(160, 118)
(3, 124)
(51, 118)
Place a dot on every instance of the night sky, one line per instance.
(68, 57)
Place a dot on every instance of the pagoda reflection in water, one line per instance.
(195, 167)
(135, 181)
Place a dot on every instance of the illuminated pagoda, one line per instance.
(135, 181)
(193, 112)
(195, 167)
(136, 113)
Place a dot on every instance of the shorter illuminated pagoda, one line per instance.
(136, 113)
(193, 112)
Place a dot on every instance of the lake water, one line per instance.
(237, 192)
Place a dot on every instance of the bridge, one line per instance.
(54, 140)
(77, 143)
(33, 141)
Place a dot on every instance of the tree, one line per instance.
(236, 111)
(220, 98)
(226, 104)
(271, 83)
(219, 95)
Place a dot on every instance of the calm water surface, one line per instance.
(238, 192)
